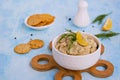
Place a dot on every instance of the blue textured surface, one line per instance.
(12, 14)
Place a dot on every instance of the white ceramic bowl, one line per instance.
(80, 62)
(37, 28)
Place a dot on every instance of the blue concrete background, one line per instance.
(12, 15)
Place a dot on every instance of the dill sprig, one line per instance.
(100, 18)
(62, 36)
(71, 35)
(107, 35)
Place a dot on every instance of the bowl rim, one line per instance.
(37, 28)
(98, 41)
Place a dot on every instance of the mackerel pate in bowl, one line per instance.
(76, 50)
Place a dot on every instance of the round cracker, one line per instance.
(22, 48)
(34, 19)
(48, 18)
(36, 43)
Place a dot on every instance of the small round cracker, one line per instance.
(36, 43)
(48, 18)
(34, 19)
(22, 48)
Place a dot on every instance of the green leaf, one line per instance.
(62, 36)
(71, 35)
(100, 18)
(107, 35)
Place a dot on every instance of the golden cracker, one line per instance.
(34, 20)
(36, 43)
(22, 48)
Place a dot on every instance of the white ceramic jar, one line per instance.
(82, 18)
(80, 62)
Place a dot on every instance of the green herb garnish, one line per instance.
(100, 18)
(62, 36)
(71, 35)
(107, 35)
